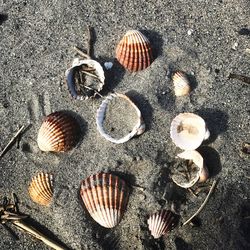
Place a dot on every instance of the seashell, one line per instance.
(105, 197)
(108, 65)
(76, 80)
(59, 132)
(138, 128)
(161, 222)
(190, 172)
(181, 84)
(188, 130)
(134, 51)
(41, 188)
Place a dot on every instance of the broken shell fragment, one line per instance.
(41, 188)
(129, 108)
(85, 78)
(161, 222)
(190, 171)
(105, 197)
(246, 147)
(59, 132)
(181, 84)
(134, 51)
(188, 131)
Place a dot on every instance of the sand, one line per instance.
(203, 39)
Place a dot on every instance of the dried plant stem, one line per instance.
(81, 53)
(11, 141)
(90, 74)
(89, 41)
(97, 93)
(38, 235)
(203, 204)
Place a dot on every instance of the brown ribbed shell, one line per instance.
(59, 132)
(161, 222)
(134, 51)
(41, 188)
(105, 197)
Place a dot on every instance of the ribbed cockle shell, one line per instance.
(134, 51)
(41, 188)
(105, 197)
(59, 132)
(161, 222)
(181, 84)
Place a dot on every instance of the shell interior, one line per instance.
(107, 120)
(84, 78)
(41, 189)
(134, 51)
(105, 197)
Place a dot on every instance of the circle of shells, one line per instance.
(105, 195)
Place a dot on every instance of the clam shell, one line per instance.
(41, 188)
(201, 175)
(161, 222)
(138, 128)
(59, 132)
(188, 131)
(90, 91)
(105, 197)
(181, 84)
(134, 51)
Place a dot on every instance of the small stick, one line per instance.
(90, 74)
(248, 177)
(97, 93)
(89, 41)
(11, 141)
(81, 53)
(192, 192)
(203, 204)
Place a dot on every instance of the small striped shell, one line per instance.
(41, 188)
(59, 132)
(90, 91)
(181, 84)
(105, 197)
(138, 128)
(188, 131)
(134, 51)
(161, 222)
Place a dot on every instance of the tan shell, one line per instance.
(59, 132)
(134, 51)
(181, 84)
(161, 222)
(200, 173)
(105, 197)
(188, 131)
(41, 189)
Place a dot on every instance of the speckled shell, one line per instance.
(134, 51)
(41, 189)
(59, 132)
(105, 197)
(161, 222)
(138, 129)
(181, 84)
(188, 130)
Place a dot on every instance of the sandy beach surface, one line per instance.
(209, 40)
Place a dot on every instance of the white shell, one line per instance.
(138, 129)
(108, 65)
(188, 131)
(197, 159)
(181, 84)
(70, 75)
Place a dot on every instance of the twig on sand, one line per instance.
(97, 93)
(89, 41)
(203, 204)
(81, 53)
(11, 141)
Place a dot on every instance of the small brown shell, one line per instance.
(59, 132)
(181, 84)
(134, 51)
(105, 197)
(161, 222)
(41, 188)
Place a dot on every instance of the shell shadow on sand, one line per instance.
(3, 18)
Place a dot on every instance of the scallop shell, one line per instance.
(181, 84)
(41, 188)
(105, 197)
(134, 51)
(201, 175)
(138, 129)
(59, 132)
(161, 222)
(188, 130)
(90, 91)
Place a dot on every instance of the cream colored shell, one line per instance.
(181, 84)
